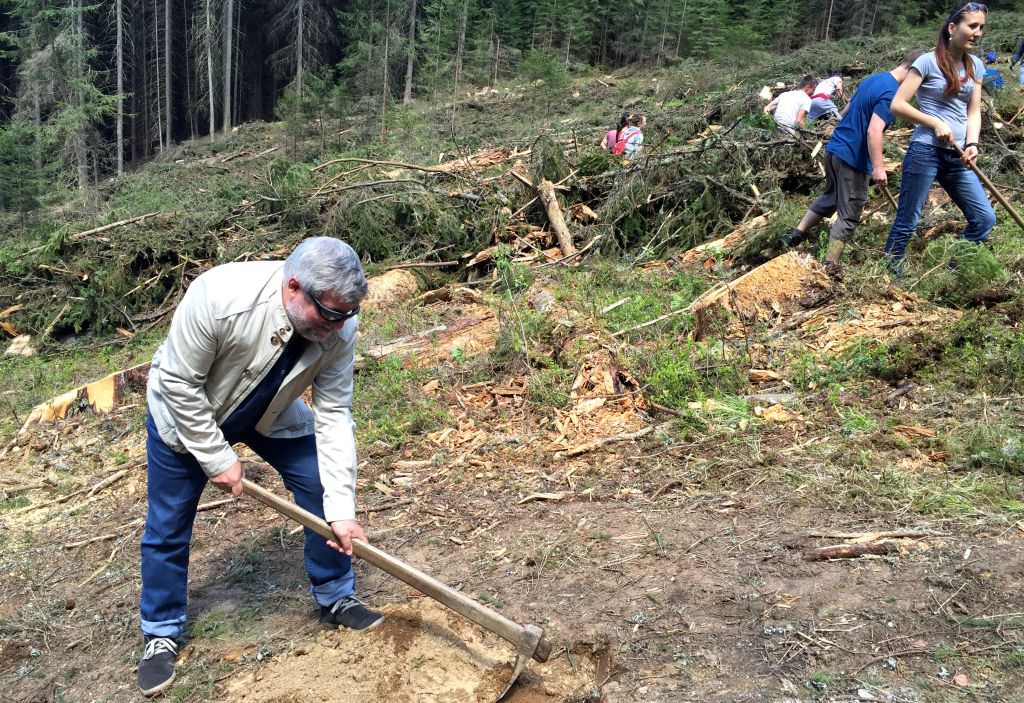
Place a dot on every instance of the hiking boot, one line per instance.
(793, 237)
(834, 271)
(156, 668)
(352, 613)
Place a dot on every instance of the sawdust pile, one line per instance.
(781, 287)
(390, 288)
(423, 652)
(605, 400)
(898, 315)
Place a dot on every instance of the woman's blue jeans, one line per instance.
(174, 484)
(923, 165)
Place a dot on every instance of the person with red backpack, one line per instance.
(612, 135)
(631, 138)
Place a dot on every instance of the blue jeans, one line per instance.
(174, 484)
(924, 164)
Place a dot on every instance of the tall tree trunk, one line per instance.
(682, 28)
(497, 57)
(159, 82)
(828, 22)
(300, 35)
(190, 101)
(410, 55)
(167, 70)
(209, 70)
(664, 37)
(461, 47)
(568, 44)
(236, 73)
(143, 98)
(79, 139)
(119, 50)
(228, 28)
(384, 73)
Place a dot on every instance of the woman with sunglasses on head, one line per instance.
(947, 83)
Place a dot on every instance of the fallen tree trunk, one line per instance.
(850, 551)
(546, 189)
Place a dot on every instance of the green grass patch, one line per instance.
(221, 623)
(390, 407)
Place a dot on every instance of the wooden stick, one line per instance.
(892, 200)
(992, 188)
(373, 162)
(422, 265)
(112, 225)
(91, 490)
(621, 437)
(849, 551)
(679, 311)
(139, 522)
(892, 534)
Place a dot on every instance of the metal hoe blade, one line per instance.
(525, 649)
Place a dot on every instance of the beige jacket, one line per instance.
(225, 336)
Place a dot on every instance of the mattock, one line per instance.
(528, 639)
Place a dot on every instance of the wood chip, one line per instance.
(541, 496)
(911, 432)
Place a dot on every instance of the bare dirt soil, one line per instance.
(664, 569)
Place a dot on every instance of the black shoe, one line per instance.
(793, 237)
(350, 612)
(156, 668)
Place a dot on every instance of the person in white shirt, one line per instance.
(791, 108)
(822, 104)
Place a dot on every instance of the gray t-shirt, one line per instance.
(932, 99)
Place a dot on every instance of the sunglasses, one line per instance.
(329, 314)
(973, 7)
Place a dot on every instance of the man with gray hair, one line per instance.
(245, 342)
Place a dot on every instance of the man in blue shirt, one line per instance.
(853, 157)
(1018, 57)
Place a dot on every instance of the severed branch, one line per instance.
(422, 265)
(666, 316)
(373, 162)
(875, 536)
(367, 184)
(622, 437)
(138, 522)
(850, 551)
(90, 490)
(112, 225)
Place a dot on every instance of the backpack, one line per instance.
(624, 136)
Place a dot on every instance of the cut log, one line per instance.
(462, 337)
(850, 551)
(546, 191)
(697, 258)
(102, 396)
(390, 288)
(785, 285)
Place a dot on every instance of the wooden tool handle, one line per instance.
(992, 189)
(427, 585)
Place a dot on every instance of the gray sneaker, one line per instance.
(352, 613)
(156, 668)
